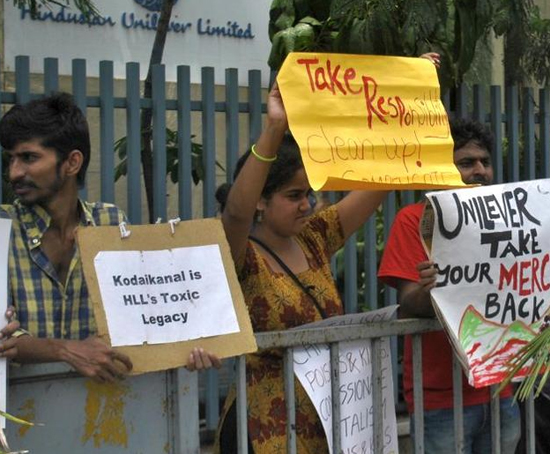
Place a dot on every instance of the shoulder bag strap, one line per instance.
(305, 289)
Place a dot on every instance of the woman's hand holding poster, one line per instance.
(492, 248)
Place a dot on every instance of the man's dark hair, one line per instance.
(282, 171)
(55, 121)
(465, 131)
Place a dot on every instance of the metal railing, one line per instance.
(520, 122)
(177, 426)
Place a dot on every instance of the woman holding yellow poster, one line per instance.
(282, 252)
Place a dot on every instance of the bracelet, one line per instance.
(260, 157)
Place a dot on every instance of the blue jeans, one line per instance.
(439, 429)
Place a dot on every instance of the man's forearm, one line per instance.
(415, 301)
(90, 357)
(39, 350)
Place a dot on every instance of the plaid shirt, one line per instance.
(45, 306)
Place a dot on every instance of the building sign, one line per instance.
(218, 33)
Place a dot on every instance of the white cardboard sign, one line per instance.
(312, 368)
(492, 248)
(5, 231)
(165, 296)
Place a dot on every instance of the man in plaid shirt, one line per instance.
(48, 145)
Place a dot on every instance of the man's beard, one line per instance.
(40, 199)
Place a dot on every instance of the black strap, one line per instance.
(306, 289)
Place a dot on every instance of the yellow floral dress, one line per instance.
(275, 302)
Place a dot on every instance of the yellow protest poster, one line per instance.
(368, 122)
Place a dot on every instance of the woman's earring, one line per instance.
(259, 216)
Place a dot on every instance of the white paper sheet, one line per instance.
(312, 368)
(165, 296)
(5, 231)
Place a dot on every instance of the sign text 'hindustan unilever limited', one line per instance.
(209, 33)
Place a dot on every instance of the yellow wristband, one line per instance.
(260, 157)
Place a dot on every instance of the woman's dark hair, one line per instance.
(56, 121)
(282, 170)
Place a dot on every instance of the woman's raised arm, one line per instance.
(355, 208)
(238, 214)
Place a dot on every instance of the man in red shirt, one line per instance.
(406, 267)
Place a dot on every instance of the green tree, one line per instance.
(454, 28)
(146, 122)
(536, 58)
(147, 114)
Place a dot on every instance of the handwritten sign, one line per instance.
(5, 232)
(492, 247)
(368, 122)
(164, 296)
(312, 368)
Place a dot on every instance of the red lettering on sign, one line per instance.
(308, 62)
(525, 277)
(370, 86)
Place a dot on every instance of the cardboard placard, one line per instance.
(492, 248)
(97, 243)
(368, 122)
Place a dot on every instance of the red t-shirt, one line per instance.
(402, 252)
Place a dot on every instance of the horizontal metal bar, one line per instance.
(292, 338)
(40, 372)
(120, 103)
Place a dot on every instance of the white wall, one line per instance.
(126, 33)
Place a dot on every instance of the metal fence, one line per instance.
(519, 119)
(159, 412)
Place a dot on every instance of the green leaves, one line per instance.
(18, 420)
(172, 160)
(319, 8)
(403, 27)
(281, 16)
(4, 449)
(305, 37)
(465, 34)
(300, 38)
(281, 45)
(537, 57)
